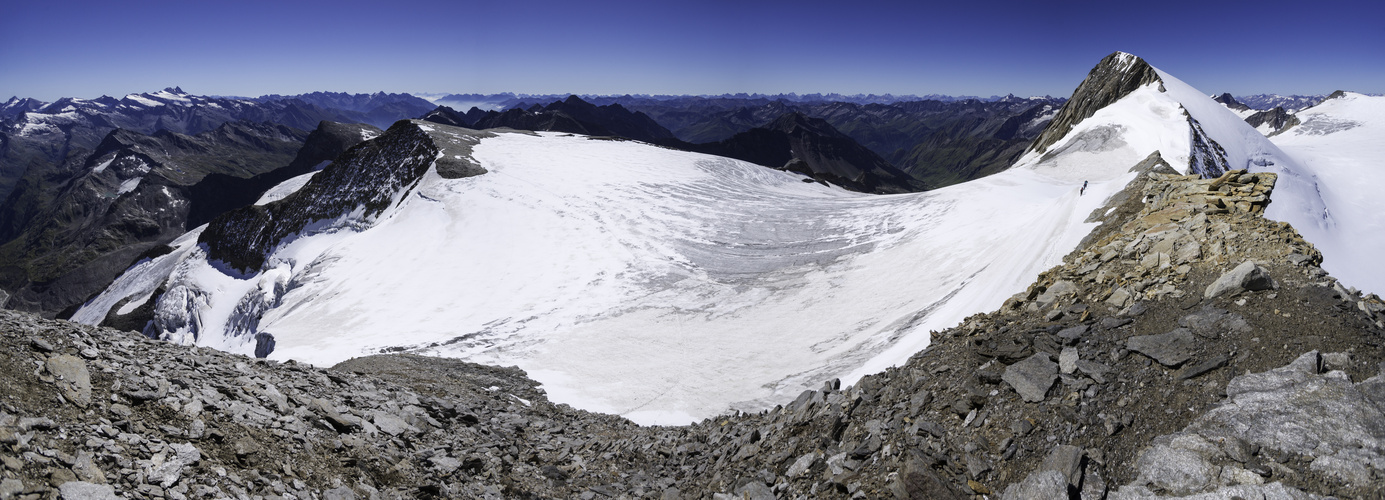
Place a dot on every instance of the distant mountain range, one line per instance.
(36, 136)
(511, 100)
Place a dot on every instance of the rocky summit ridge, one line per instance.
(1188, 348)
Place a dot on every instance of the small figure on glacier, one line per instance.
(1083, 190)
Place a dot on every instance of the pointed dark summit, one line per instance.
(1226, 99)
(1116, 76)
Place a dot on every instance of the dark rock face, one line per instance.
(1207, 158)
(1230, 102)
(68, 235)
(810, 146)
(264, 344)
(1277, 119)
(368, 176)
(448, 116)
(576, 116)
(1114, 77)
(939, 142)
(216, 193)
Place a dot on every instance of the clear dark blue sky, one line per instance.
(978, 47)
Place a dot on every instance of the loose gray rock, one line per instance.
(1298, 410)
(1067, 360)
(73, 378)
(1199, 369)
(1066, 460)
(1244, 277)
(1073, 334)
(81, 490)
(1169, 349)
(1180, 471)
(1032, 377)
(918, 480)
(1120, 297)
(802, 465)
(184, 455)
(755, 490)
(329, 412)
(1097, 371)
(389, 424)
(342, 493)
(10, 488)
(1060, 289)
(86, 470)
(1041, 485)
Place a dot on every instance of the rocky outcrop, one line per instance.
(217, 192)
(1273, 121)
(359, 184)
(1114, 77)
(1230, 102)
(369, 176)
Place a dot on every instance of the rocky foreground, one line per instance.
(1191, 348)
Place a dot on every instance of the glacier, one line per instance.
(668, 286)
(1338, 149)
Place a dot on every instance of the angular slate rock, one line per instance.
(1169, 349)
(74, 379)
(1032, 377)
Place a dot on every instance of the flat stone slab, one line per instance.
(1169, 349)
(1032, 377)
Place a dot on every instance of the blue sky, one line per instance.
(973, 47)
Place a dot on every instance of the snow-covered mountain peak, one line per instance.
(1114, 77)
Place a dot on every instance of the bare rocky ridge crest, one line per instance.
(1117, 374)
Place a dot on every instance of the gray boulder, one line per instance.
(79, 490)
(1244, 277)
(1041, 485)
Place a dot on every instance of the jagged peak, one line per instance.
(1116, 76)
(1230, 101)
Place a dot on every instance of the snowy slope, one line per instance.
(668, 286)
(1340, 144)
(657, 284)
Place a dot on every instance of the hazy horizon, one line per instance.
(87, 49)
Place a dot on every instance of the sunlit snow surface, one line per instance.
(661, 285)
(669, 286)
(1341, 144)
